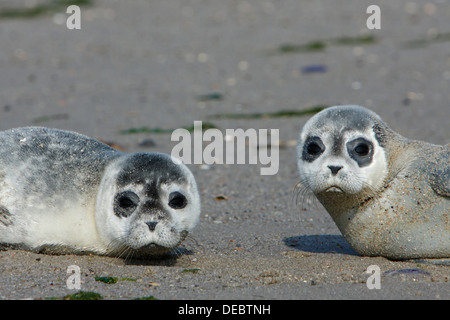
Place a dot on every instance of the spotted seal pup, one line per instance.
(62, 192)
(388, 195)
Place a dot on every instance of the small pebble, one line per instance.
(147, 143)
(314, 68)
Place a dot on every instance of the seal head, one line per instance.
(339, 152)
(147, 204)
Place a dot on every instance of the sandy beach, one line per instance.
(137, 70)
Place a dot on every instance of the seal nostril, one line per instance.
(152, 225)
(335, 169)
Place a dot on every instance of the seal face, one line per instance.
(341, 153)
(388, 195)
(62, 192)
(148, 204)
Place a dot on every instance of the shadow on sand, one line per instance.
(319, 243)
(167, 260)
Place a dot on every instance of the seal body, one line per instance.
(62, 192)
(388, 195)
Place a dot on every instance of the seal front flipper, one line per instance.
(439, 176)
(5, 216)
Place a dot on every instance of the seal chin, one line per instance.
(339, 189)
(151, 250)
(151, 246)
(334, 189)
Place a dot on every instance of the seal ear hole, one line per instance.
(177, 200)
(125, 203)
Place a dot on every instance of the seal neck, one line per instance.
(339, 203)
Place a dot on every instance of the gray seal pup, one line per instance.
(388, 195)
(62, 192)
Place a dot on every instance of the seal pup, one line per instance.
(388, 195)
(62, 192)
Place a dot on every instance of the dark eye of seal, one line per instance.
(360, 150)
(125, 203)
(312, 149)
(177, 200)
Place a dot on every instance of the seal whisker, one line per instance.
(197, 245)
(304, 196)
(117, 247)
(177, 252)
(130, 253)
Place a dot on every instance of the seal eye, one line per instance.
(125, 203)
(312, 149)
(177, 200)
(360, 150)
